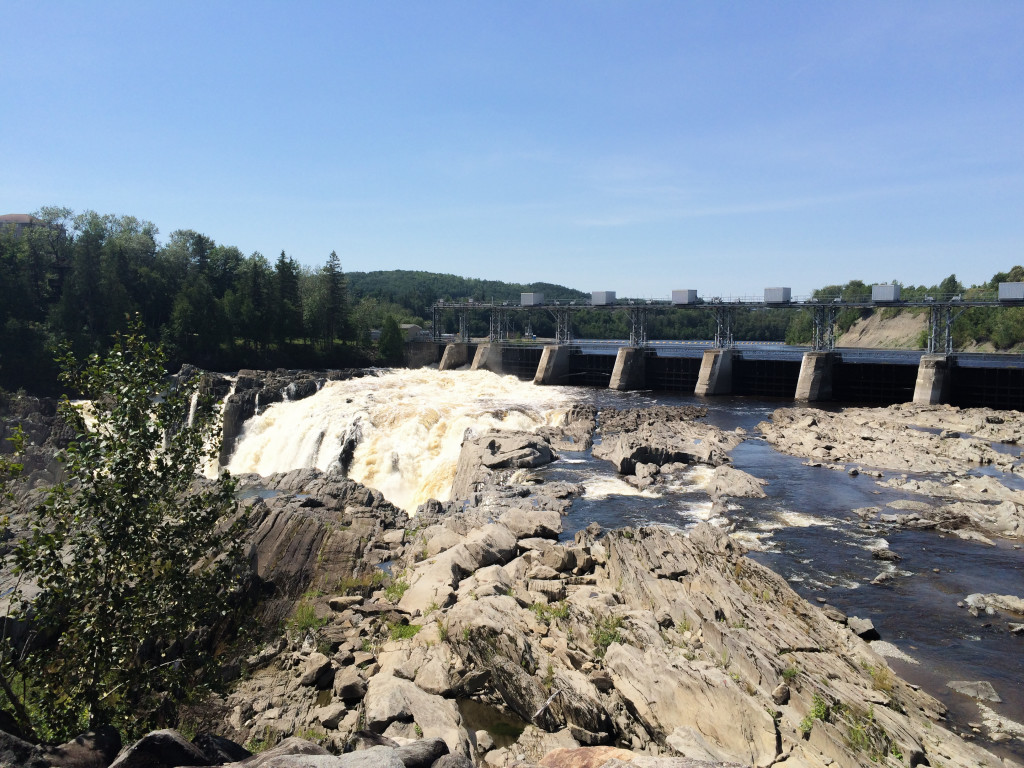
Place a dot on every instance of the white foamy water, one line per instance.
(408, 426)
(754, 541)
(802, 520)
(601, 487)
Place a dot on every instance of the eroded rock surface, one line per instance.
(941, 442)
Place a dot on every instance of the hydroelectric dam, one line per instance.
(820, 372)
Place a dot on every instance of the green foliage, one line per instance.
(10, 470)
(399, 631)
(263, 743)
(362, 584)
(304, 619)
(820, 710)
(881, 677)
(546, 612)
(314, 734)
(392, 342)
(606, 632)
(78, 276)
(134, 558)
(396, 589)
(789, 674)
(864, 734)
(549, 677)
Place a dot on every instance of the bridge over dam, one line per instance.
(820, 372)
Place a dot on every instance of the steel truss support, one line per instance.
(638, 326)
(825, 328)
(563, 324)
(501, 325)
(464, 326)
(940, 328)
(723, 327)
(435, 319)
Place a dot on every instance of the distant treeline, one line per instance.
(78, 278)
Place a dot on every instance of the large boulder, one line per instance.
(391, 699)
(18, 752)
(434, 581)
(93, 749)
(483, 456)
(660, 444)
(161, 749)
(729, 481)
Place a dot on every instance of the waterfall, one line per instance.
(399, 432)
(192, 405)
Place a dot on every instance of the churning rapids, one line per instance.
(400, 432)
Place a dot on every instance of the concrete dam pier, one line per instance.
(876, 376)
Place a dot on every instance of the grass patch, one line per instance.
(547, 613)
(261, 744)
(606, 632)
(865, 735)
(399, 631)
(549, 678)
(304, 619)
(790, 673)
(881, 677)
(362, 584)
(820, 710)
(396, 589)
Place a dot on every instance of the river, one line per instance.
(407, 427)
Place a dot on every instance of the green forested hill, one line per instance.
(417, 290)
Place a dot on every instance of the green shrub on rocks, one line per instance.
(546, 612)
(399, 631)
(304, 619)
(134, 557)
(606, 632)
(820, 710)
(396, 589)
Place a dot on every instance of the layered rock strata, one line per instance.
(644, 639)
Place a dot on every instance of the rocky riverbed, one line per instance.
(902, 443)
(662, 643)
(640, 645)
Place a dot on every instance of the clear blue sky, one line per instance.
(630, 146)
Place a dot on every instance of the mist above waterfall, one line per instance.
(399, 432)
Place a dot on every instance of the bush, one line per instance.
(606, 632)
(135, 560)
(399, 631)
(304, 619)
(396, 589)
